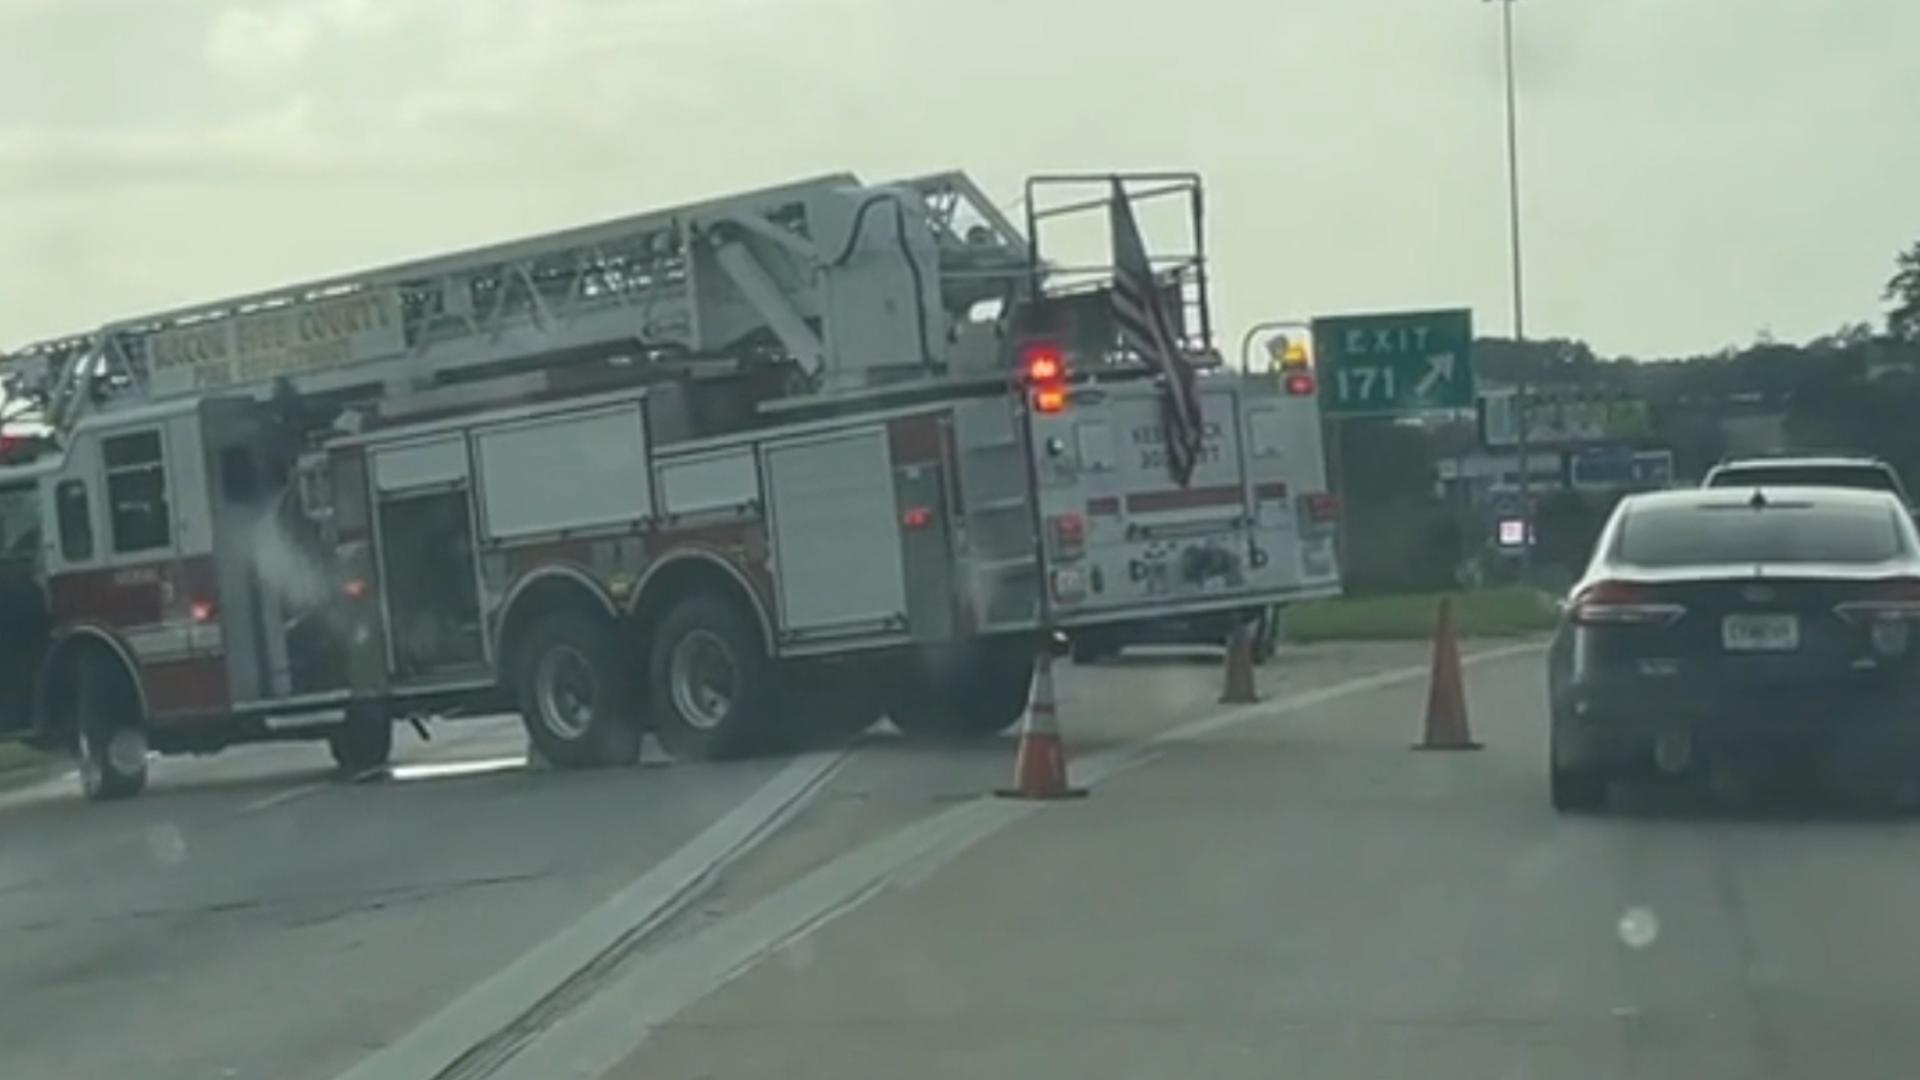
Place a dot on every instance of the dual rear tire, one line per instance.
(710, 684)
(712, 692)
(707, 688)
(574, 694)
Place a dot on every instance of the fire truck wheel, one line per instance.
(573, 694)
(710, 680)
(825, 705)
(1266, 634)
(1087, 648)
(113, 748)
(364, 742)
(982, 698)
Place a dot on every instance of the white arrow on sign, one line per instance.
(1439, 369)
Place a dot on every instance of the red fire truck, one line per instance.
(698, 471)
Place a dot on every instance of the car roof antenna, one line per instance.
(1759, 500)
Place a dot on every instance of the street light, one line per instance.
(1519, 307)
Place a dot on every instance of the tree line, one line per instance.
(1856, 389)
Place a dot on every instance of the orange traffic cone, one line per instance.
(1239, 689)
(1040, 764)
(1446, 727)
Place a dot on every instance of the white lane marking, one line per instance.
(299, 791)
(64, 782)
(517, 989)
(609, 1026)
(1109, 763)
(441, 770)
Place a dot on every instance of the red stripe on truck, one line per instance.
(914, 440)
(1184, 499)
(192, 687)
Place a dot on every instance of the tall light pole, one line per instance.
(1519, 307)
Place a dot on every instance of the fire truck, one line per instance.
(823, 449)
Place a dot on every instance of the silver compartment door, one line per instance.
(836, 537)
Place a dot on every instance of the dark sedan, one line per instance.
(1773, 627)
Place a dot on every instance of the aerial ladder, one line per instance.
(839, 285)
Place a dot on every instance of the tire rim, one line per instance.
(704, 679)
(565, 688)
(127, 751)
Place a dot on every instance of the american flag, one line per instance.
(1140, 309)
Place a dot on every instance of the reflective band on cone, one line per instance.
(1040, 764)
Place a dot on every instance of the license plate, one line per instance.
(1760, 633)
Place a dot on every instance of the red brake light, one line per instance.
(916, 517)
(354, 588)
(1050, 399)
(1616, 603)
(1320, 507)
(202, 611)
(1892, 599)
(1300, 384)
(1069, 535)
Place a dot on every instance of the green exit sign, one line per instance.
(1399, 362)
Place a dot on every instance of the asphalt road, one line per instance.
(1276, 890)
(248, 917)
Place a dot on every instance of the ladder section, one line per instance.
(633, 286)
(852, 285)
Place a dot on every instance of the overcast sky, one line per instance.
(1694, 170)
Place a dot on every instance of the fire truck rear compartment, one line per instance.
(427, 546)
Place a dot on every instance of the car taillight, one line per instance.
(1621, 603)
(1299, 383)
(202, 611)
(354, 588)
(1892, 600)
(1069, 536)
(1319, 508)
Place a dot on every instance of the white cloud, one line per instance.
(1694, 167)
(278, 39)
(256, 43)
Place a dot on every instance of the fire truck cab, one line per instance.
(194, 596)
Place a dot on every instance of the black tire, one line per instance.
(825, 705)
(1084, 649)
(109, 737)
(1575, 790)
(363, 743)
(710, 684)
(573, 694)
(983, 696)
(1266, 635)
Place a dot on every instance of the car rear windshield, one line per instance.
(1870, 477)
(1703, 535)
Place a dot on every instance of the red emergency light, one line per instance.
(1043, 362)
(1043, 366)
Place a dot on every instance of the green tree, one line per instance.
(1903, 290)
